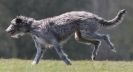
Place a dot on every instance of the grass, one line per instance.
(17, 65)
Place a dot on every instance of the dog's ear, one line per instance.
(18, 20)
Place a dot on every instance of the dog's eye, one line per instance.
(18, 20)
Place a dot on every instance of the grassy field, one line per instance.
(17, 65)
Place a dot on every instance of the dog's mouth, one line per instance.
(14, 33)
(11, 33)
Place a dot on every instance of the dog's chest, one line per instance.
(43, 42)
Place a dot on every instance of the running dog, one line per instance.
(54, 31)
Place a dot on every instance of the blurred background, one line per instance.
(23, 48)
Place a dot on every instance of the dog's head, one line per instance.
(19, 26)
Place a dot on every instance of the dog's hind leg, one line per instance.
(96, 43)
(39, 54)
(104, 37)
(107, 40)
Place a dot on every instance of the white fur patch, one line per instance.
(34, 62)
(17, 35)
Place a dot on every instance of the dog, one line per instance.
(54, 31)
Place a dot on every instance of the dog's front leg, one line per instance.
(61, 53)
(39, 53)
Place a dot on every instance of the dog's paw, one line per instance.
(92, 57)
(34, 63)
(114, 50)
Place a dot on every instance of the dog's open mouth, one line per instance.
(13, 34)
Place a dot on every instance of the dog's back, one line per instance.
(66, 24)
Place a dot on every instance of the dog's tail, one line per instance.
(115, 21)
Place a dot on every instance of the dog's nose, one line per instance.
(8, 29)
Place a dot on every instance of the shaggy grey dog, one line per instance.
(54, 31)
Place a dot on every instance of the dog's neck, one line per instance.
(34, 26)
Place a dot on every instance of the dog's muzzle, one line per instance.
(10, 30)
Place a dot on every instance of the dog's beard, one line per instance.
(17, 35)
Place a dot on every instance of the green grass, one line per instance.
(17, 65)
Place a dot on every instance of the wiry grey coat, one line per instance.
(54, 31)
